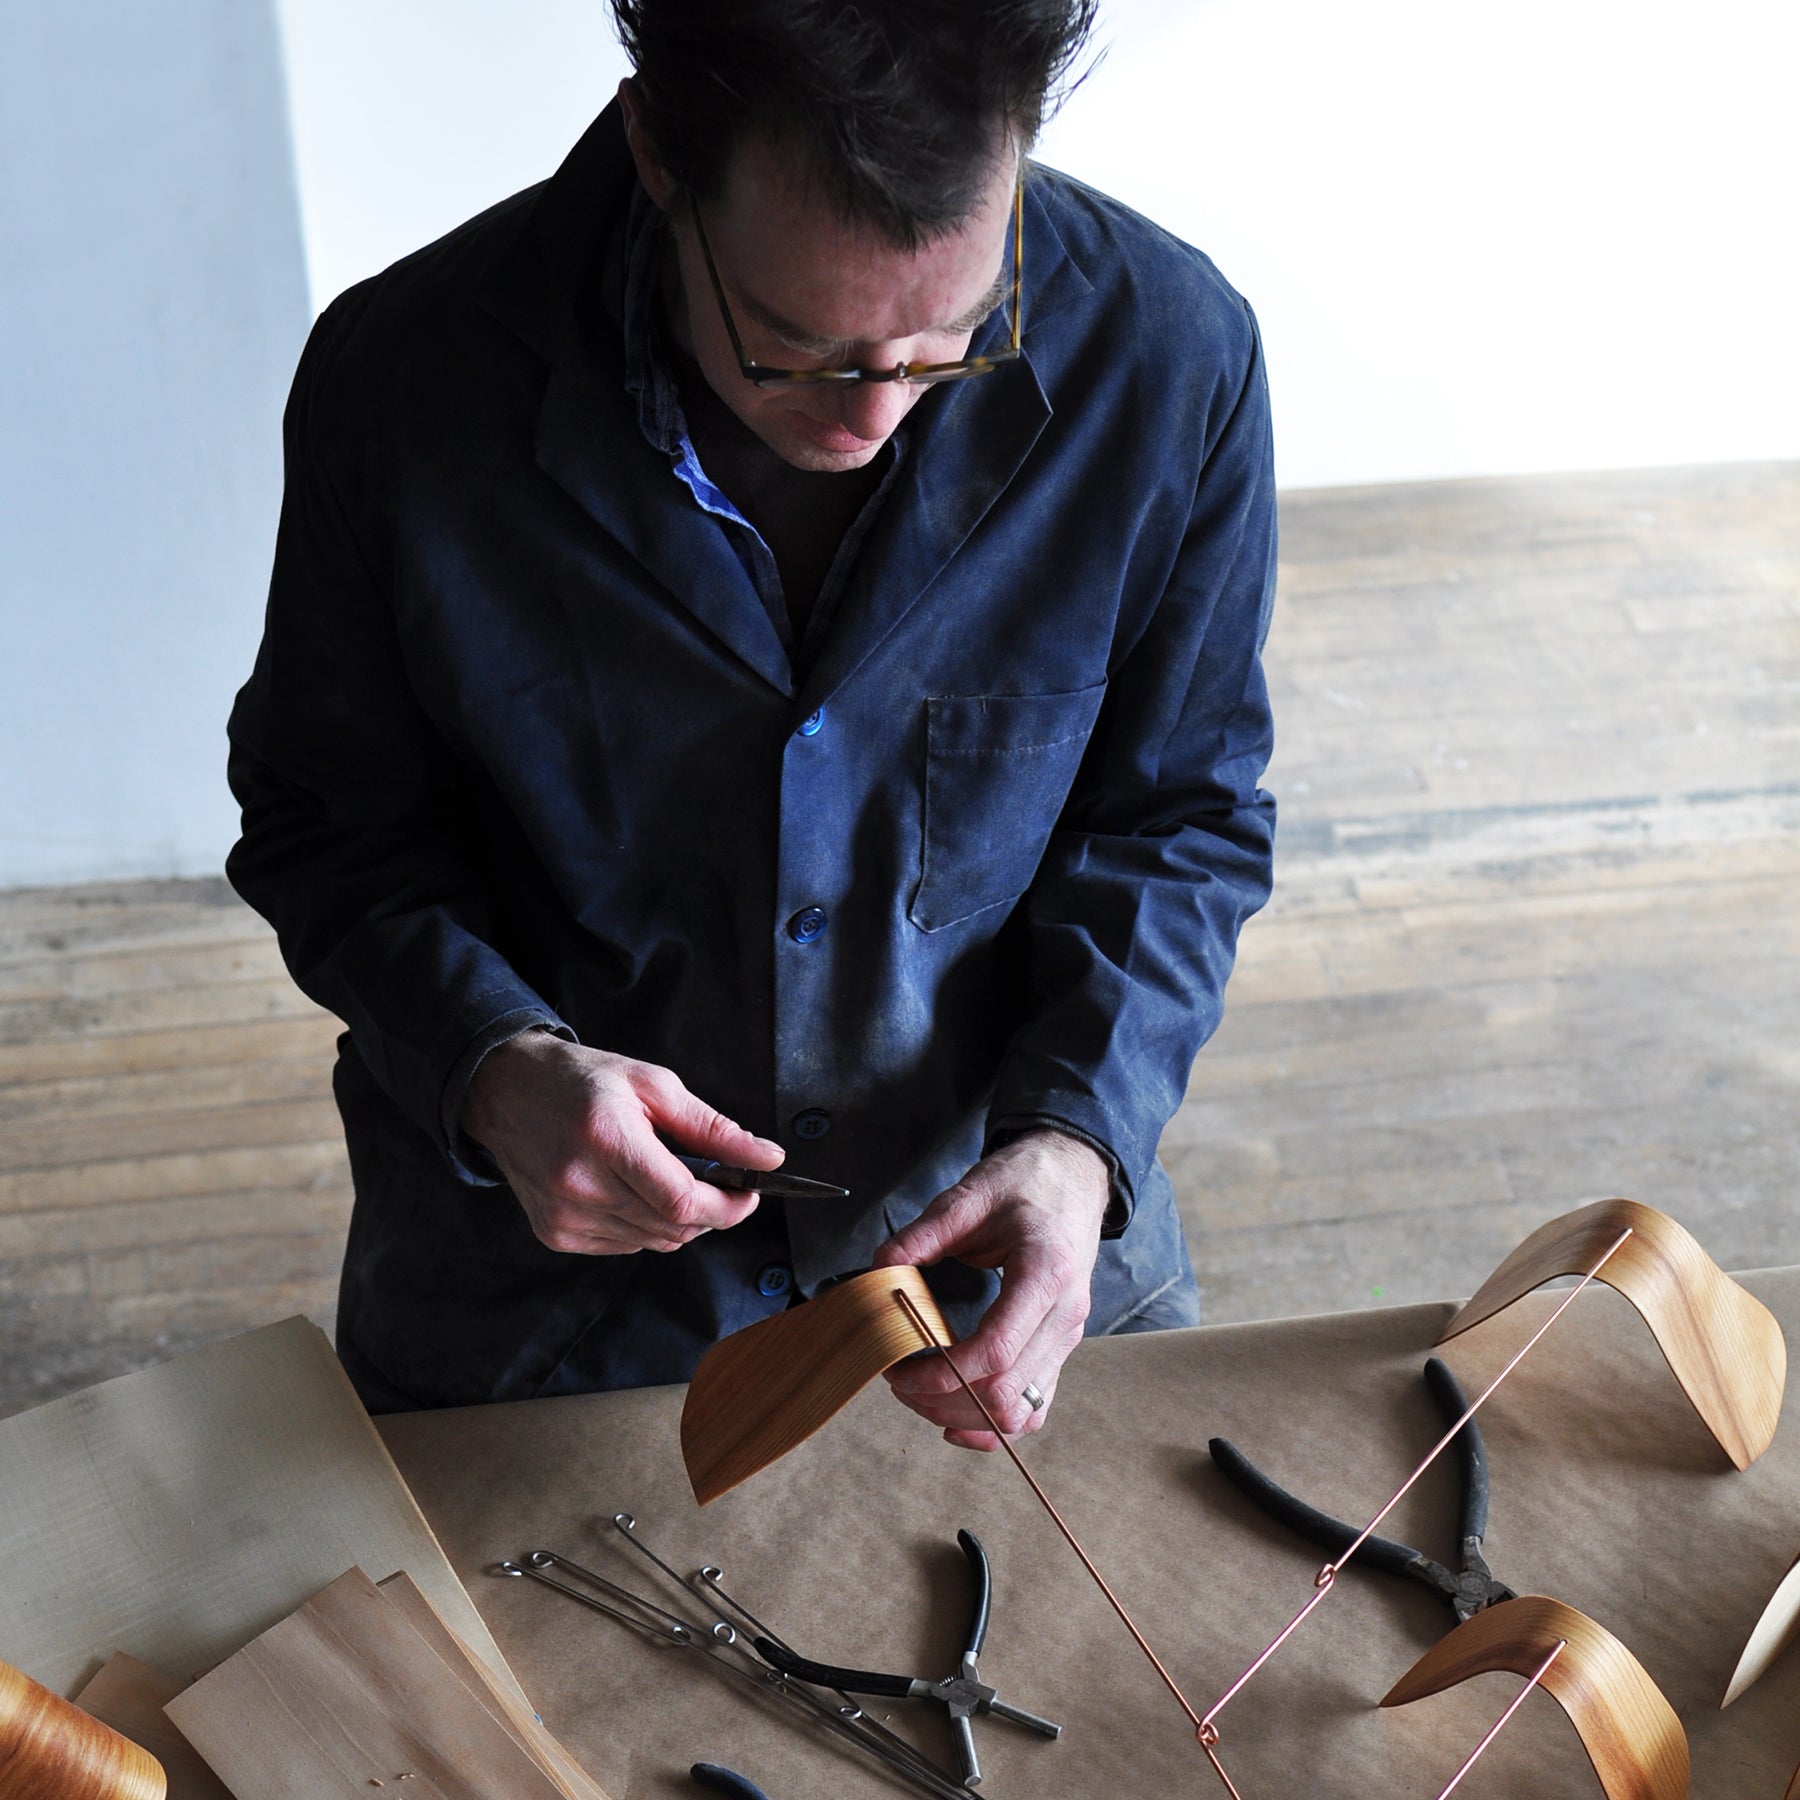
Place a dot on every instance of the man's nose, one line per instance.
(874, 409)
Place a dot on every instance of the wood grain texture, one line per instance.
(1773, 1631)
(51, 1750)
(765, 1389)
(179, 1512)
(1630, 1732)
(1722, 1343)
(130, 1695)
(344, 1696)
(525, 1726)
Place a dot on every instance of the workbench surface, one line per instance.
(1608, 1493)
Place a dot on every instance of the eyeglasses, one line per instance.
(917, 372)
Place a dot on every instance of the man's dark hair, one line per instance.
(897, 102)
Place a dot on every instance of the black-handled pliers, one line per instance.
(1469, 1589)
(963, 1693)
(726, 1781)
(760, 1181)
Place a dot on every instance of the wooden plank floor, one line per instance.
(1534, 940)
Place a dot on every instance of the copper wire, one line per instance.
(1327, 1576)
(1494, 1731)
(1087, 1562)
(1206, 1731)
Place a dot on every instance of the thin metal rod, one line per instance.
(1406, 1486)
(1328, 1575)
(711, 1577)
(1212, 1756)
(1087, 1562)
(846, 1709)
(860, 1730)
(1208, 1731)
(1518, 1700)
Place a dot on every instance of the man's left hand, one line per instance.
(1032, 1210)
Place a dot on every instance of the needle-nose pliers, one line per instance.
(1469, 1588)
(964, 1693)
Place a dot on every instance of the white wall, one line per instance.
(1545, 234)
(412, 115)
(1521, 235)
(152, 301)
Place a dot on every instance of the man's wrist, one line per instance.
(1118, 1204)
(482, 1095)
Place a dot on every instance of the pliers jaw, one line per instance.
(963, 1694)
(1474, 1589)
(1470, 1589)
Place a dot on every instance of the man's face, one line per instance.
(808, 290)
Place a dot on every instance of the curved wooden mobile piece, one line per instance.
(1630, 1732)
(1771, 1634)
(1722, 1343)
(765, 1389)
(49, 1746)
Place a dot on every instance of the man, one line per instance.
(658, 748)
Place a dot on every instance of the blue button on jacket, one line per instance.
(524, 746)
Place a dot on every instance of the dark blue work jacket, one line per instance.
(524, 746)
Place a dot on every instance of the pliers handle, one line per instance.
(900, 1687)
(964, 1693)
(726, 1781)
(1469, 1590)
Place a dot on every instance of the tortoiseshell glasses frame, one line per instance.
(764, 376)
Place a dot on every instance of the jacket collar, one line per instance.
(557, 280)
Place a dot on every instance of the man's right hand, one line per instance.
(576, 1134)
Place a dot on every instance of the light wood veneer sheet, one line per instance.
(129, 1695)
(1608, 1494)
(179, 1512)
(347, 1695)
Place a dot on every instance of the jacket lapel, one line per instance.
(552, 285)
(589, 444)
(965, 451)
(970, 442)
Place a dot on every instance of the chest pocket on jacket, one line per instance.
(998, 768)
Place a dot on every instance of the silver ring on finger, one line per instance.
(1032, 1398)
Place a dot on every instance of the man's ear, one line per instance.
(658, 183)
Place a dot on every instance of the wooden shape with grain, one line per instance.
(765, 1389)
(49, 1746)
(1630, 1732)
(129, 1695)
(1722, 1343)
(526, 1727)
(345, 1696)
(1773, 1631)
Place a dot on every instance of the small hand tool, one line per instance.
(760, 1181)
(963, 1693)
(722, 1646)
(1469, 1589)
(726, 1781)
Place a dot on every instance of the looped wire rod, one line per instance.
(1494, 1730)
(1328, 1575)
(1206, 1729)
(1087, 1562)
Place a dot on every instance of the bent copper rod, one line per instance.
(1328, 1575)
(1087, 1562)
(1205, 1730)
(1494, 1730)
